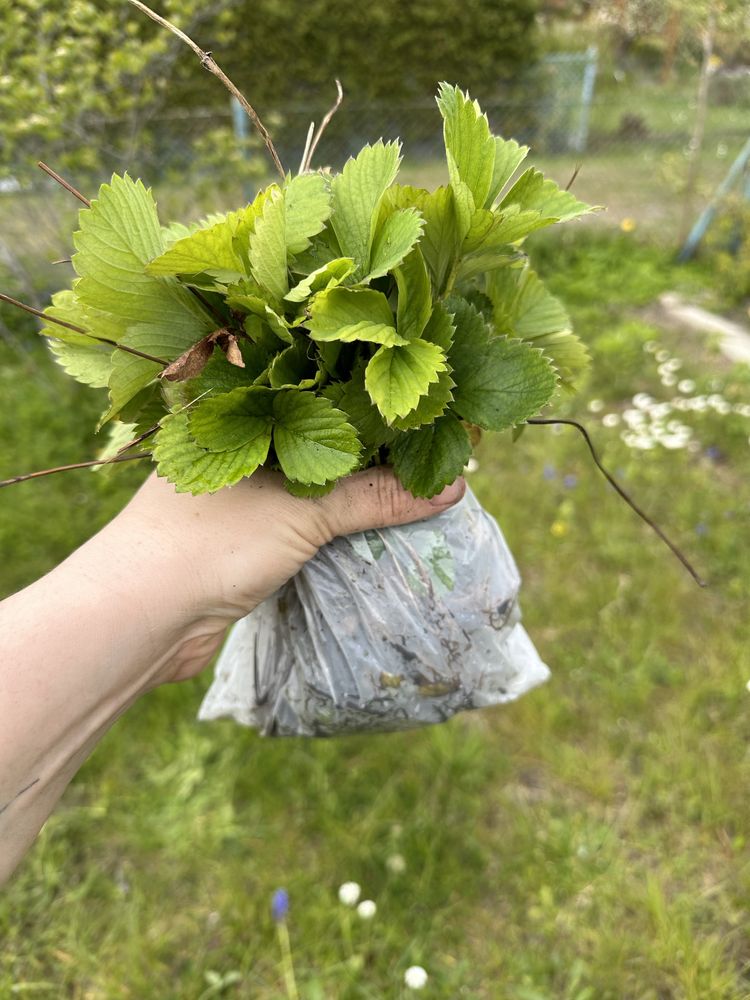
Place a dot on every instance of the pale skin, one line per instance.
(147, 601)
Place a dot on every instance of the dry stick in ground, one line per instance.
(625, 496)
(208, 62)
(80, 329)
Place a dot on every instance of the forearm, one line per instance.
(77, 648)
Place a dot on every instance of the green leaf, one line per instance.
(241, 418)
(433, 404)
(495, 230)
(130, 373)
(85, 359)
(330, 274)
(361, 412)
(414, 296)
(307, 202)
(357, 192)
(532, 192)
(439, 329)
(193, 469)
(119, 235)
(313, 440)
(220, 375)
(396, 377)
(440, 243)
(394, 238)
(268, 248)
(469, 145)
(499, 382)
(348, 314)
(429, 458)
(210, 249)
(508, 158)
(524, 308)
(293, 367)
(307, 491)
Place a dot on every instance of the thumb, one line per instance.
(376, 499)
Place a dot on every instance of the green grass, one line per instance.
(589, 842)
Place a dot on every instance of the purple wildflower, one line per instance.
(280, 905)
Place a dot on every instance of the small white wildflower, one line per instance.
(396, 863)
(669, 379)
(367, 909)
(660, 410)
(349, 893)
(686, 385)
(472, 465)
(634, 418)
(673, 441)
(611, 419)
(699, 403)
(596, 405)
(650, 346)
(662, 356)
(415, 977)
(642, 401)
(673, 365)
(748, 685)
(723, 407)
(743, 409)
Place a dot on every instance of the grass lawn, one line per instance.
(589, 842)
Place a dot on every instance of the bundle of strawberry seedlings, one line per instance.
(337, 322)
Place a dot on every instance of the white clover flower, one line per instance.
(669, 380)
(743, 409)
(415, 977)
(396, 863)
(367, 909)
(662, 356)
(686, 385)
(723, 407)
(611, 419)
(349, 893)
(650, 346)
(596, 405)
(673, 365)
(634, 418)
(660, 410)
(673, 441)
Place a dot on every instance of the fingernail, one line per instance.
(451, 494)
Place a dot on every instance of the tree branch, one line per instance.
(208, 62)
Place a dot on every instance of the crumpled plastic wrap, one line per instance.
(383, 630)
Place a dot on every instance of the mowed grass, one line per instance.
(589, 842)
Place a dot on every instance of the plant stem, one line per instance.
(625, 496)
(75, 465)
(60, 180)
(287, 964)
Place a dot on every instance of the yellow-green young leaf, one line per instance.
(500, 382)
(307, 202)
(440, 243)
(314, 442)
(429, 458)
(268, 249)
(414, 296)
(210, 249)
(532, 192)
(396, 377)
(347, 314)
(433, 404)
(119, 235)
(308, 490)
(241, 418)
(87, 360)
(394, 238)
(469, 145)
(193, 469)
(357, 192)
(327, 276)
(508, 158)
(495, 230)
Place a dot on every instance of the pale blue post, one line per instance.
(705, 219)
(581, 136)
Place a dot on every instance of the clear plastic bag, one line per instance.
(381, 631)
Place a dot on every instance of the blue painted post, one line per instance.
(706, 217)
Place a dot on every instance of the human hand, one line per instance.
(217, 556)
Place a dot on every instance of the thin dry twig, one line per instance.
(323, 125)
(625, 496)
(63, 183)
(570, 183)
(306, 150)
(79, 329)
(208, 62)
(76, 465)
